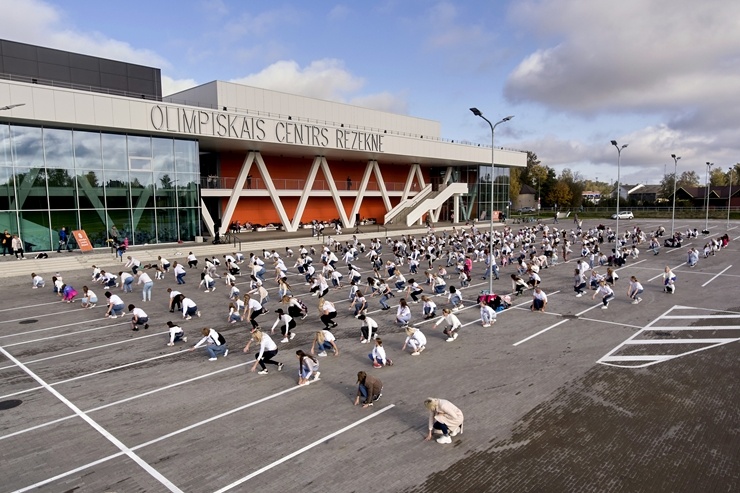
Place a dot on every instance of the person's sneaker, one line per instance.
(414, 302)
(334, 324)
(376, 397)
(604, 307)
(400, 290)
(456, 431)
(315, 293)
(454, 336)
(316, 375)
(304, 316)
(135, 329)
(262, 372)
(389, 362)
(634, 302)
(213, 289)
(198, 313)
(363, 341)
(93, 305)
(579, 295)
(184, 339)
(207, 291)
(322, 354)
(280, 367)
(114, 316)
(415, 353)
(226, 353)
(421, 349)
(455, 308)
(486, 325)
(284, 339)
(450, 339)
(639, 300)
(444, 439)
(170, 344)
(188, 317)
(146, 326)
(292, 335)
(212, 359)
(377, 365)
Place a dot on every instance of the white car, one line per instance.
(624, 215)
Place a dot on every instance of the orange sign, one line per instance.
(82, 241)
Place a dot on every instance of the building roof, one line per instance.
(714, 192)
(527, 190)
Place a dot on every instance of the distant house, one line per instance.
(591, 196)
(697, 196)
(645, 194)
(527, 198)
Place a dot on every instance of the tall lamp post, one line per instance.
(706, 221)
(729, 198)
(619, 186)
(493, 126)
(675, 178)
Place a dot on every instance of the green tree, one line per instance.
(560, 194)
(718, 177)
(688, 179)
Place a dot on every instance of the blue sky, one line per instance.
(662, 75)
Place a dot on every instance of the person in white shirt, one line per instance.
(215, 344)
(288, 324)
(606, 292)
(192, 260)
(487, 314)
(38, 281)
(403, 313)
(378, 356)
(164, 264)
(252, 310)
(268, 350)
(207, 282)
(189, 308)
(539, 300)
(89, 299)
(453, 324)
(115, 305)
(234, 293)
(176, 334)
(139, 317)
(133, 263)
(180, 273)
(324, 340)
(416, 340)
(669, 280)
(174, 301)
(144, 279)
(228, 278)
(429, 308)
(328, 313)
(296, 308)
(634, 290)
(126, 281)
(455, 299)
(307, 366)
(369, 328)
(234, 314)
(95, 273)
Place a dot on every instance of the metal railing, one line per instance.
(228, 183)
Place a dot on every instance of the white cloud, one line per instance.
(339, 12)
(37, 22)
(172, 86)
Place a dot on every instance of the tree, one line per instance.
(575, 184)
(560, 193)
(688, 179)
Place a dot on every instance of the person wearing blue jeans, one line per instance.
(634, 290)
(180, 273)
(146, 293)
(369, 388)
(115, 305)
(386, 294)
(324, 340)
(127, 281)
(215, 344)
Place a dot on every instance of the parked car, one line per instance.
(526, 210)
(624, 215)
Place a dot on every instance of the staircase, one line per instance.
(434, 200)
(393, 214)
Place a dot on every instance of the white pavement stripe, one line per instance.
(300, 451)
(691, 329)
(30, 306)
(67, 334)
(610, 322)
(698, 316)
(117, 443)
(633, 336)
(41, 330)
(661, 274)
(681, 341)
(715, 277)
(540, 332)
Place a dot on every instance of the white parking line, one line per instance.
(540, 332)
(715, 277)
(300, 451)
(117, 443)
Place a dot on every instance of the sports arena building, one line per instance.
(89, 143)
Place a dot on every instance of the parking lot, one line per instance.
(633, 398)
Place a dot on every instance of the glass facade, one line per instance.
(499, 204)
(49, 178)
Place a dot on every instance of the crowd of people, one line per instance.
(432, 269)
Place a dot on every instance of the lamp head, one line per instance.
(508, 118)
(614, 142)
(476, 111)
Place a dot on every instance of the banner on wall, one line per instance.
(82, 241)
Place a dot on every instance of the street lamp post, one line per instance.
(729, 198)
(675, 178)
(493, 126)
(619, 191)
(706, 221)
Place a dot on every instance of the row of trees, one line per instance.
(566, 189)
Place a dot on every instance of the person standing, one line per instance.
(215, 344)
(268, 350)
(445, 417)
(176, 333)
(17, 245)
(606, 292)
(369, 388)
(139, 317)
(416, 340)
(114, 234)
(634, 290)
(7, 242)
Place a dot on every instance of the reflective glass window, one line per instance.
(6, 187)
(145, 226)
(67, 219)
(35, 230)
(93, 222)
(167, 225)
(187, 190)
(163, 158)
(88, 151)
(139, 153)
(9, 221)
(189, 223)
(58, 148)
(121, 219)
(6, 158)
(117, 189)
(90, 191)
(165, 189)
(62, 190)
(27, 146)
(30, 188)
(114, 152)
(186, 156)
(142, 189)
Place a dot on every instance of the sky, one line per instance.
(662, 76)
